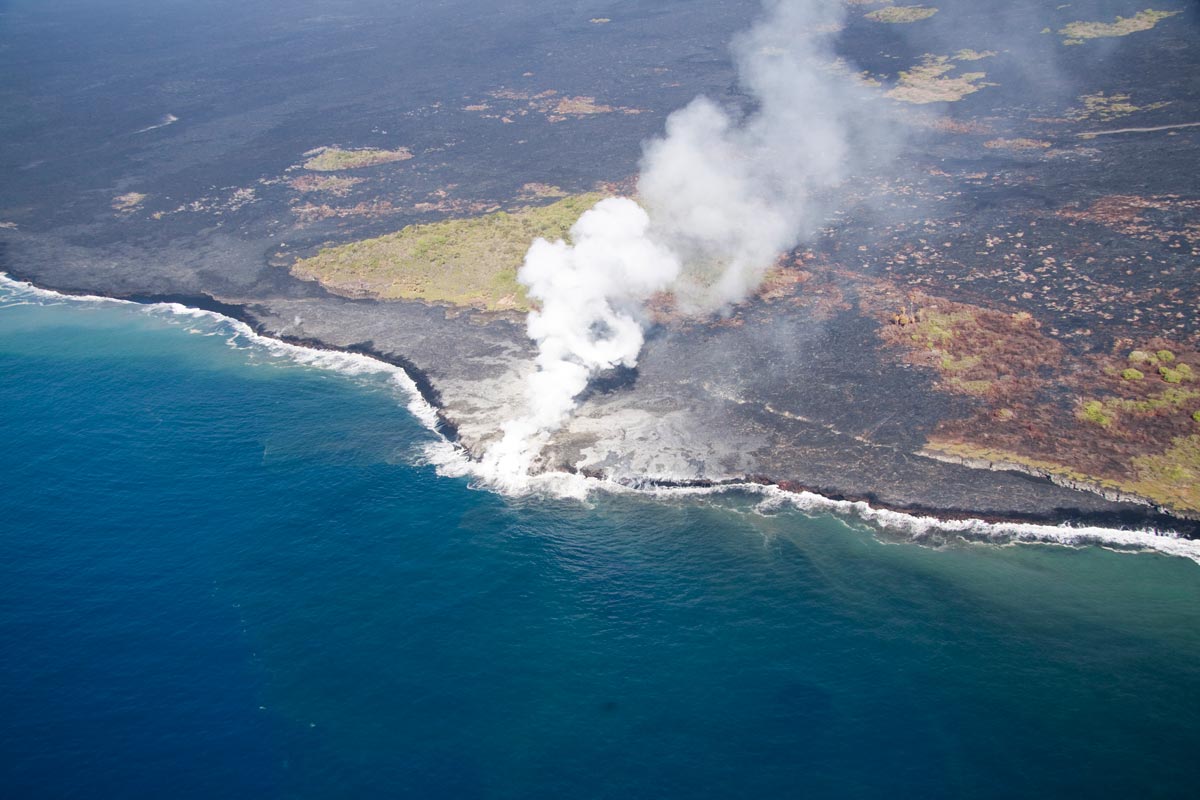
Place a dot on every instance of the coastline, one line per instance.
(920, 523)
(1058, 480)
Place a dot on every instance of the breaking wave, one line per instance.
(239, 335)
(451, 460)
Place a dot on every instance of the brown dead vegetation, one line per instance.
(976, 351)
(1016, 144)
(1124, 420)
(1162, 217)
(308, 213)
(335, 185)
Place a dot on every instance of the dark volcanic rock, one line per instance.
(207, 127)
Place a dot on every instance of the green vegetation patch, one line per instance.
(1172, 477)
(935, 329)
(1178, 374)
(331, 159)
(1077, 32)
(901, 14)
(1119, 421)
(1125, 421)
(978, 388)
(976, 351)
(1143, 357)
(1167, 400)
(464, 262)
(967, 450)
(951, 364)
(1093, 411)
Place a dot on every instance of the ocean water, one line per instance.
(225, 572)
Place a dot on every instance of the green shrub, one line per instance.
(1170, 375)
(1093, 411)
(1196, 416)
(1165, 356)
(1141, 357)
(1132, 374)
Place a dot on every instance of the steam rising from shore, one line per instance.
(722, 195)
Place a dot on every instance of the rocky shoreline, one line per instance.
(994, 201)
(833, 464)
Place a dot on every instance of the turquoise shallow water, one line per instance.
(223, 573)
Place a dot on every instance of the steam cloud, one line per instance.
(722, 196)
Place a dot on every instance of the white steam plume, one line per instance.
(724, 195)
(590, 295)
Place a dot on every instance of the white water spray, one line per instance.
(590, 295)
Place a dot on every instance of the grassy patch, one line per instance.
(901, 14)
(1173, 476)
(1120, 421)
(1143, 357)
(976, 351)
(465, 262)
(973, 55)
(1177, 374)
(128, 202)
(1077, 32)
(978, 388)
(581, 107)
(931, 82)
(1170, 478)
(1167, 400)
(1016, 144)
(995, 454)
(1106, 108)
(934, 329)
(331, 159)
(952, 364)
(1093, 411)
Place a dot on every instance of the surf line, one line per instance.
(452, 460)
(1094, 134)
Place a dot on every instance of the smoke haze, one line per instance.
(722, 195)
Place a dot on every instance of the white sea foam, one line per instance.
(168, 119)
(452, 461)
(239, 335)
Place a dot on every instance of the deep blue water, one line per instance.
(223, 574)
